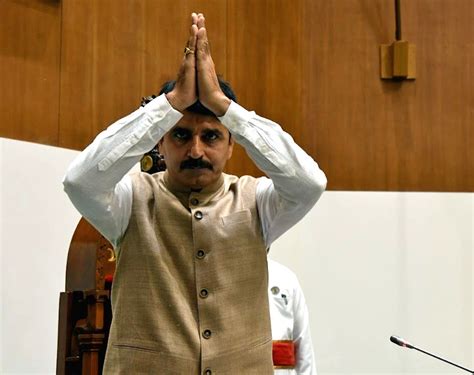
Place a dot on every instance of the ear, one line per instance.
(231, 148)
(160, 145)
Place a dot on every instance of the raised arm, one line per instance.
(96, 181)
(296, 180)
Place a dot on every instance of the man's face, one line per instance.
(196, 151)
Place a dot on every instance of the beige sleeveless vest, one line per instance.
(190, 289)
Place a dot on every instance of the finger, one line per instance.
(193, 30)
(202, 43)
(201, 20)
(191, 44)
(194, 18)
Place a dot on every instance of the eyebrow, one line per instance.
(214, 130)
(180, 128)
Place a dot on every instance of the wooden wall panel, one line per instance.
(313, 66)
(29, 70)
(265, 50)
(310, 65)
(117, 51)
(371, 134)
(444, 34)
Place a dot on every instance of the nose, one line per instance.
(196, 150)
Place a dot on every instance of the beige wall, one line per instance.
(71, 67)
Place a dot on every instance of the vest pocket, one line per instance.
(237, 217)
(144, 348)
(125, 358)
(134, 347)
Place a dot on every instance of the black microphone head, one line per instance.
(399, 341)
(395, 340)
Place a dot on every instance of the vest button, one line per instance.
(204, 293)
(194, 201)
(200, 254)
(207, 334)
(207, 371)
(198, 215)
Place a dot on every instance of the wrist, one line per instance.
(221, 106)
(175, 102)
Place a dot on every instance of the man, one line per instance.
(292, 345)
(191, 242)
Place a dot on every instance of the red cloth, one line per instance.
(284, 353)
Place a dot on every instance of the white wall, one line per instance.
(377, 264)
(1, 253)
(37, 222)
(371, 265)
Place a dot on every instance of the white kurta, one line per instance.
(98, 185)
(289, 316)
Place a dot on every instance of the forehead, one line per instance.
(196, 122)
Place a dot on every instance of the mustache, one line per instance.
(195, 164)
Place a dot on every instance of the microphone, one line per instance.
(399, 341)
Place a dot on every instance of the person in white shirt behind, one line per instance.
(292, 345)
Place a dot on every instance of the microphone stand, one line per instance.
(399, 341)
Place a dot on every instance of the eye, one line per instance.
(211, 135)
(181, 134)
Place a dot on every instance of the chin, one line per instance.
(197, 179)
(201, 183)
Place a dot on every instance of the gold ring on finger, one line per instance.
(187, 51)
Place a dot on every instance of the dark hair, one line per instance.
(197, 107)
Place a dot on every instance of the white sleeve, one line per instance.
(96, 181)
(296, 180)
(305, 362)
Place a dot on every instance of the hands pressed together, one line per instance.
(197, 78)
